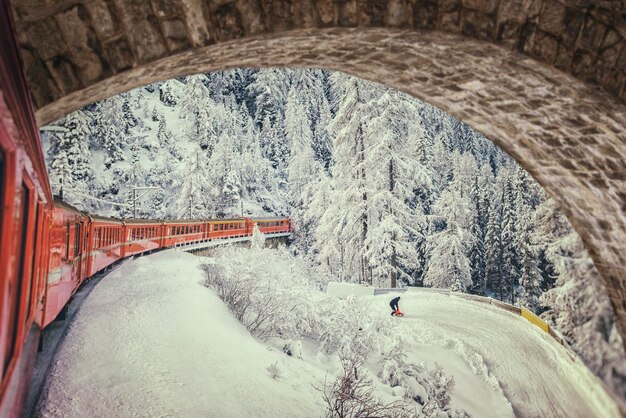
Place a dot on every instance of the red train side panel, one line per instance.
(105, 243)
(142, 236)
(68, 261)
(25, 200)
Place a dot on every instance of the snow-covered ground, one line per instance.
(151, 341)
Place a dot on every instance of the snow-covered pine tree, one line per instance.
(390, 169)
(192, 197)
(494, 275)
(303, 169)
(477, 248)
(269, 90)
(111, 131)
(70, 158)
(349, 174)
(510, 256)
(448, 266)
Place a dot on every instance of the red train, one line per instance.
(81, 245)
(48, 248)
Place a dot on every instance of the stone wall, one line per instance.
(568, 134)
(70, 44)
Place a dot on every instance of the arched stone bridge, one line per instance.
(544, 79)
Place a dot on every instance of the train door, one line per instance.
(76, 252)
(19, 283)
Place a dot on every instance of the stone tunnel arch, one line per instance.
(569, 135)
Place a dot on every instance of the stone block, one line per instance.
(611, 54)
(447, 6)
(227, 22)
(348, 13)
(620, 64)
(167, 9)
(84, 46)
(46, 38)
(119, 55)
(478, 25)
(512, 10)
(175, 34)
(64, 75)
(425, 14)
(508, 32)
(278, 15)
(613, 81)
(544, 47)
(573, 21)
(42, 88)
(196, 15)
(104, 22)
(592, 35)
(563, 58)
(485, 6)
(142, 30)
(326, 11)
(304, 14)
(551, 18)
(397, 14)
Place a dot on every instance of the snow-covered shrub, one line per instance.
(274, 371)
(293, 349)
(351, 395)
(351, 325)
(258, 238)
(430, 388)
(268, 299)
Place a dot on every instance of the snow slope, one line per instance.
(151, 341)
(534, 372)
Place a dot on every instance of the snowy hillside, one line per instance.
(381, 187)
(151, 340)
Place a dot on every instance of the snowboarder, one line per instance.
(395, 310)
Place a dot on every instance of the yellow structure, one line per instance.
(534, 319)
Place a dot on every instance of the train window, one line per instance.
(67, 241)
(15, 289)
(77, 239)
(37, 238)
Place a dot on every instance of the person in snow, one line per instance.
(395, 310)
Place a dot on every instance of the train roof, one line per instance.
(58, 203)
(97, 218)
(142, 221)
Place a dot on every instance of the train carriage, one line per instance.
(68, 257)
(273, 225)
(105, 245)
(182, 232)
(141, 236)
(228, 228)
